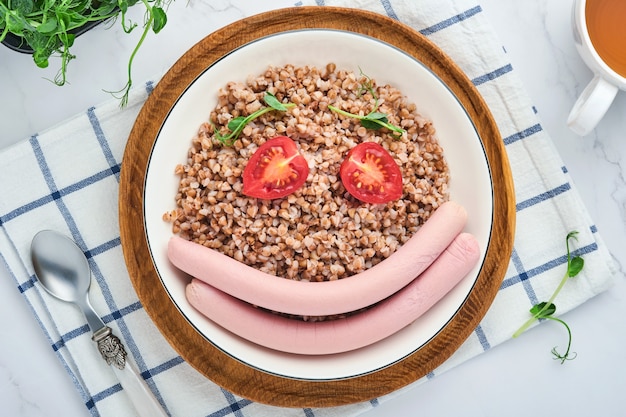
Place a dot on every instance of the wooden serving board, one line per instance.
(212, 362)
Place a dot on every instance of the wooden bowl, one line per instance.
(220, 366)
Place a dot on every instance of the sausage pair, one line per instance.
(439, 255)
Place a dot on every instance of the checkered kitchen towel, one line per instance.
(67, 179)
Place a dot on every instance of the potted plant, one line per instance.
(46, 28)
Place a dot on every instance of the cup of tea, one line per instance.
(600, 38)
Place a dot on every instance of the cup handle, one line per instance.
(591, 106)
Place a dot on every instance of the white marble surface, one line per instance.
(514, 379)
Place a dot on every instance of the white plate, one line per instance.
(470, 184)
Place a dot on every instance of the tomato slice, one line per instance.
(275, 170)
(370, 174)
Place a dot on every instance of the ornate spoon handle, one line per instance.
(110, 347)
(113, 352)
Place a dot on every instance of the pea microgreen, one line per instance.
(155, 20)
(48, 27)
(237, 124)
(547, 309)
(374, 120)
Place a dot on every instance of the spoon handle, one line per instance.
(114, 353)
(138, 391)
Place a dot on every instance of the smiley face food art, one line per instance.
(319, 231)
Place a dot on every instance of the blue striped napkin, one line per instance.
(67, 179)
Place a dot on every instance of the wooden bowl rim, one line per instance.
(209, 360)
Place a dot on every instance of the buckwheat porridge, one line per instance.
(320, 231)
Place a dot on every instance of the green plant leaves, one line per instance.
(576, 265)
(546, 309)
(41, 59)
(67, 39)
(271, 100)
(123, 5)
(14, 23)
(237, 124)
(543, 310)
(160, 19)
(22, 7)
(47, 26)
(374, 120)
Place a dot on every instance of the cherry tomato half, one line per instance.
(370, 174)
(275, 170)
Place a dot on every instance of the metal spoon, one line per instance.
(62, 269)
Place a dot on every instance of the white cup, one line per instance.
(598, 95)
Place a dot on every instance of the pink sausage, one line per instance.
(328, 297)
(341, 335)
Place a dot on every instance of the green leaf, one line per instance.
(83, 7)
(67, 39)
(374, 120)
(64, 19)
(14, 24)
(370, 124)
(123, 5)
(546, 310)
(24, 7)
(576, 265)
(235, 123)
(160, 19)
(377, 116)
(49, 26)
(271, 100)
(105, 8)
(75, 19)
(541, 311)
(40, 60)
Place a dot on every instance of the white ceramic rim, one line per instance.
(587, 51)
(470, 185)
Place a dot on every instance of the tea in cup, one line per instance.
(600, 37)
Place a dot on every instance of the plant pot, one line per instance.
(17, 43)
